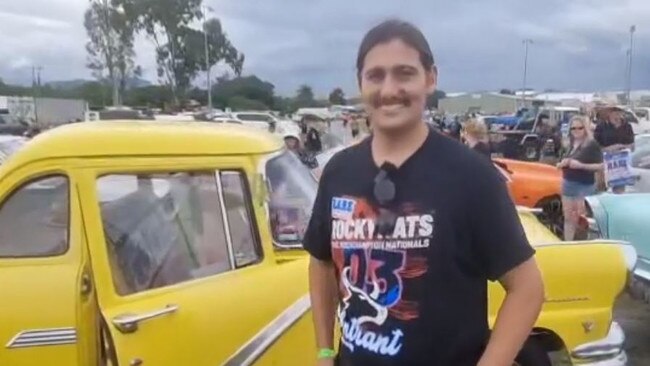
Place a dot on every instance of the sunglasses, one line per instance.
(384, 192)
(577, 128)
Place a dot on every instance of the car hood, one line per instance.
(528, 167)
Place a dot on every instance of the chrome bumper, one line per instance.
(604, 352)
(639, 286)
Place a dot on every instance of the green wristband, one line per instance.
(326, 353)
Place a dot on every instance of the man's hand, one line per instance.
(518, 313)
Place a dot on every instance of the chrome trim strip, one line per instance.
(259, 343)
(224, 219)
(581, 242)
(610, 346)
(525, 209)
(43, 337)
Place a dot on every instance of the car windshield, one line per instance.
(641, 113)
(254, 117)
(292, 191)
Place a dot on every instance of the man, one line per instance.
(407, 228)
(614, 134)
(292, 143)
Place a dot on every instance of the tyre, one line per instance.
(533, 354)
(552, 215)
(530, 150)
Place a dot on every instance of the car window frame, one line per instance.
(267, 119)
(250, 211)
(211, 171)
(35, 179)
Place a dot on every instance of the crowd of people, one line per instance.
(580, 154)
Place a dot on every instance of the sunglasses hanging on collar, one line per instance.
(384, 192)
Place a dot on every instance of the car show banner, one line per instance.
(618, 168)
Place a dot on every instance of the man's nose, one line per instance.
(390, 87)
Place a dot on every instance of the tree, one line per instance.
(153, 96)
(180, 49)
(337, 96)
(249, 87)
(304, 97)
(243, 103)
(433, 99)
(110, 44)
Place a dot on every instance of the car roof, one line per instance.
(5, 138)
(145, 138)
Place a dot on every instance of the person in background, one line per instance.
(579, 167)
(292, 143)
(354, 127)
(475, 135)
(313, 142)
(454, 128)
(614, 134)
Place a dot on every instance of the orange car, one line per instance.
(535, 185)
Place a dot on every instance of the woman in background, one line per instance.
(579, 166)
(475, 135)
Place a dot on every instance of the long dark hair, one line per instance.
(390, 30)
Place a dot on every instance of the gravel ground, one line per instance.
(634, 317)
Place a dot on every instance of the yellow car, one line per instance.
(154, 243)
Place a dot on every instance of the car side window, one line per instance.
(34, 219)
(241, 221)
(254, 117)
(163, 229)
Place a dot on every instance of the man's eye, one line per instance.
(405, 73)
(375, 76)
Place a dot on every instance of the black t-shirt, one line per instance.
(607, 134)
(589, 153)
(419, 295)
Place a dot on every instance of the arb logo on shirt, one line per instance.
(342, 208)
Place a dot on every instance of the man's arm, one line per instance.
(517, 315)
(507, 256)
(322, 290)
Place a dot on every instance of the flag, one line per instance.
(633, 29)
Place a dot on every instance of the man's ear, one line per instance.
(432, 79)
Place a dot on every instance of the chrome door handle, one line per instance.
(128, 323)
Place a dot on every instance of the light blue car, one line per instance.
(625, 217)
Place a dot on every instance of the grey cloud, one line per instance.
(578, 44)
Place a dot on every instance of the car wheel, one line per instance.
(530, 150)
(552, 215)
(533, 354)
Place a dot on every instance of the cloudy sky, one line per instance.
(578, 44)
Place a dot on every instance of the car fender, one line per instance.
(582, 281)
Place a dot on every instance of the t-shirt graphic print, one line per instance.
(376, 261)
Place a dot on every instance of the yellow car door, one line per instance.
(182, 274)
(47, 302)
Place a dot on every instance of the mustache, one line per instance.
(378, 100)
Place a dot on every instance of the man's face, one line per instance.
(616, 118)
(395, 85)
(291, 143)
